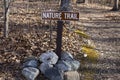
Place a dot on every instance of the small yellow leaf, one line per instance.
(88, 46)
(91, 53)
(82, 34)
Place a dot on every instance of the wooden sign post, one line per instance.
(53, 15)
(59, 38)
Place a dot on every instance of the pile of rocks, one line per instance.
(51, 66)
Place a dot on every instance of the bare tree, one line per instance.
(6, 17)
(65, 5)
(74, 1)
(82, 1)
(116, 5)
(85, 1)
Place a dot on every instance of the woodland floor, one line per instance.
(104, 28)
(98, 21)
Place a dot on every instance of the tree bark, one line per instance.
(6, 17)
(65, 5)
(85, 1)
(74, 1)
(116, 5)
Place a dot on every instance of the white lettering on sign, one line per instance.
(51, 15)
(71, 16)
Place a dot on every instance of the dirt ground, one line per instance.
(104, 28)
(98, 21)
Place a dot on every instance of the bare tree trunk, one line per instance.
(119, 4)
(116, 5)
(65, 5)
(6, 17)
(74, 1)
(85, 1)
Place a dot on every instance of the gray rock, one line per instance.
(30, 73)
(31, 63)
(66, 56)
(54, 74)
(68, 65)
(43, 67)
(71, 75)
(75, 65)
(49, 58)
(63, 66)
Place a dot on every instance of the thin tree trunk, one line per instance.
(6, 17)
(65, 5)
(74, 1)
(116, 5)
(85, 1)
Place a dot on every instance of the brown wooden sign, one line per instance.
(52, 15)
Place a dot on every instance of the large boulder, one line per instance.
(31, 63)
(66, 56)
(71, 75)
(30, 73)
(54, 74)
(63, 66)
(68, 65)
(49, 58)
(74, 64)
(43, 67)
